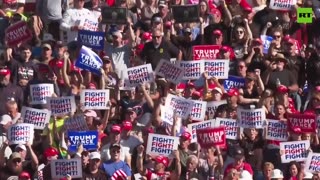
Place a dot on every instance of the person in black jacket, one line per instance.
(44, 75)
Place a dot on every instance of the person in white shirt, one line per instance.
(115, 138)
(78, 18)
(127, 138)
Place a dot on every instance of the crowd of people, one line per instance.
(282, 81)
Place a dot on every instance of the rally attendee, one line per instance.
(211, 163)
(280, 76)
(267, 170)
(46, 53)
(9, 90)
(184, 153)
(51, 16)
(25, 70)
(158, 49)
(239, 163)
(250, 93)
(28, 165)
(93, 170)
(45, 75)
(127, 138)
(114, 167)
(185, 42)
(73, 20)
(159, 168)
(294, 171)
(13, 167)
(119, 52)
(49, 154)
(115, 137)
(253, 145)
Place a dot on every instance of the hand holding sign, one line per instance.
(89, 60)
(76, 28)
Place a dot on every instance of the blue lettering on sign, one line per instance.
(89, 60)
(94, 40)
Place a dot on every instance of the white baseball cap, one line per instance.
(5, 119)
(276, 173)
(95, 155)
(117, 33)
(21, 146)
(245, 175)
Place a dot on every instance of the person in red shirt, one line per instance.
(282, 97)
(238, 163)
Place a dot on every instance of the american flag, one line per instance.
(119, 175)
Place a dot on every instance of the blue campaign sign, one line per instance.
(89, 60)
(233, 82)
(92, 39)
(266, 43)
(89, 140)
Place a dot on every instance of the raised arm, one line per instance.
(64, 70)
(147, 96)
(34, 158)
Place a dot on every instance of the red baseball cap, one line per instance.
(290, 41)
(116, 129)
(127, 125)
(257, 40)
(282, 89)
(24, 174)
(4, 72)
(196, 94)
(215, 11)
(225, 49)
(186, 135)
(163, 160)
(247, 8)
(191, 85)
(49, 152)
(233, 92)
(217, 32)
(146, 36)
(92, 86)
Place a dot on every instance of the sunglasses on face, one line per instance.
(116, 151)
(240, 67)
(16, 161)
(156, 37)
(277, 36)
(239, 32)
